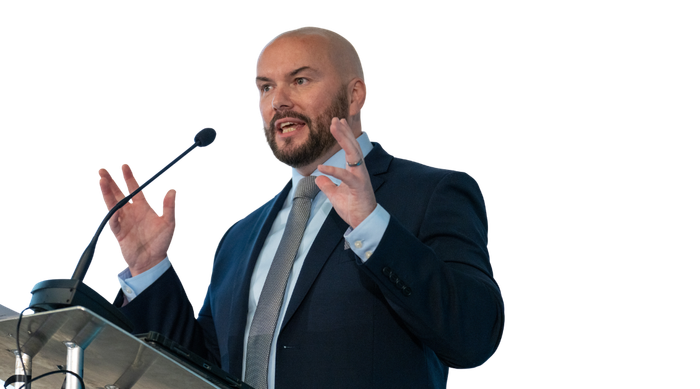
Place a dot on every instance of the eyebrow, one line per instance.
(292, 73)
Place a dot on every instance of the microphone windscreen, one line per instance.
(205, 137)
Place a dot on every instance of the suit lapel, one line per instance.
(269, 217)
(331, 234)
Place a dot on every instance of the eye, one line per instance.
(265, 88)
(300, 81)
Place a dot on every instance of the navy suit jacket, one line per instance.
(426, 300)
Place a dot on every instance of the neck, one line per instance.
(306, 170)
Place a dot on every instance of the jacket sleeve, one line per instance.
(438, 278)
(164, 307)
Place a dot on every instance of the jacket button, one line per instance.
(386, 271)
(392, 277)
(406, 291)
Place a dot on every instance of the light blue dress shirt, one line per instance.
(363, 240)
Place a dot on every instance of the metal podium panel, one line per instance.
(111, 356)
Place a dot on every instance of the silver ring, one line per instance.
(354, 164)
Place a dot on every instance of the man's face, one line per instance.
(300, 93)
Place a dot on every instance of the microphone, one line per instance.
(55, 294)
(205, 137)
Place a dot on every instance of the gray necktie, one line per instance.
(267, 312)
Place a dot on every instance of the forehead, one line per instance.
(286, 54)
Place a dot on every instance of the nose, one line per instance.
(281, 100)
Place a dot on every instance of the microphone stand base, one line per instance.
(56, 294)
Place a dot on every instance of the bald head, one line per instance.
(306, 78)
(327, 43)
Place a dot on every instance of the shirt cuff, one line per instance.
(364, 239)
(133, 286)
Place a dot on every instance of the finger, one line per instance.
(107, 187)
(342, 133)
(353, 152)
(343, 175)
(131, 184)
(129, 178)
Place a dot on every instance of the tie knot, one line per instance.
(307, 188)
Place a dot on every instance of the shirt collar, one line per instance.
(337, 160)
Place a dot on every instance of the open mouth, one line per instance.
(288, 125)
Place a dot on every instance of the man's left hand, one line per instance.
(354, 198)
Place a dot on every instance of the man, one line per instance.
(390, 284)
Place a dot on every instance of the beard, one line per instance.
(320, 139)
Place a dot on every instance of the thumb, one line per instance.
(326, 185)
(169, 206)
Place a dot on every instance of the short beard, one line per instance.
(320, 138)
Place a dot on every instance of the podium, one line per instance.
(111, 358)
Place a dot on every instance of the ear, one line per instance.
(357, 91)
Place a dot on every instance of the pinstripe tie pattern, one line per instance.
(267, 312)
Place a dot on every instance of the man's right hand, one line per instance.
(143, 236)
